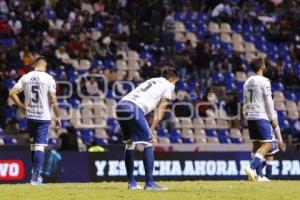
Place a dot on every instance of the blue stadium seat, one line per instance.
(223, 136)
(22, 123)
(179, 16)
(101, 141)
(277, 86)
(2, 134)
(236, 140)
(52, 141)
(181, 85)
(248, 38)
(144, 55)
(202, 28)
(162, 132)
(179, 47)
(187, 140)
(191, 16)
(218, 77)
(237, 28)
(202, 17)
(247, 28)
(9, 83)
(10, 141)
(74, 102)
(191, 27)
(289, 95)
(112, 126)
(282, 115)
(87, 135)
(284, 124)
(211, 133)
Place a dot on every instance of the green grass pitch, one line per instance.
(198, 190)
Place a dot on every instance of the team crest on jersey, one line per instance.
(251, 82)
(34, 79)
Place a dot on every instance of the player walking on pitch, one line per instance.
(40, 91)
(131, 111)
(261, 117)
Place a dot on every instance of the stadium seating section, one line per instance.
(94, 117)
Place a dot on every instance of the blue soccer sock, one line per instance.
(38, 160)
(148, 159)
(259, 169)
(129, 164)
(269, 165)
(256, 161)
(32, 157)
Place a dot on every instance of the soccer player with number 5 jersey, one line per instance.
(40, 93)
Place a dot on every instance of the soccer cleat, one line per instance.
(250, 173)
(262, 179)
(134, 186)
(36, 179)
(154, 186)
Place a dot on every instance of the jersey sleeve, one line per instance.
(168, 93)
(19, 85)
(52, 85)
(266, 88)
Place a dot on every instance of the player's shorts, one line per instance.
(133, 123)
(260, 130)
(38, 131)
(274, 149)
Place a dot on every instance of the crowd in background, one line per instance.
(73, 34)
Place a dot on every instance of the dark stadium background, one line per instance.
(100, 50)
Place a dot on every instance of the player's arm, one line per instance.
(245, 103)
(14, 96)
(54, 103)
(270, 104)
(158, 115)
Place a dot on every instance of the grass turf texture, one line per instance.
(217, 190)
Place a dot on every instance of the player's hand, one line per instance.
(154, 140)
(282, 146)
(57, 123)
(274, 123)
(23, 110)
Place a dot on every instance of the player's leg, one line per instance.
(125, 113)
(259, 156)
(269, 166)
(270, 160)
(260, 131)
(37, 148)
(143, 135)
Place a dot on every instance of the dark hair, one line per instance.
(256, 64)
(168, 72)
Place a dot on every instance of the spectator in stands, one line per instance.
(3, 7)
(206, 103)
(201, 60)
(69, 140)
(169, 32)
(92, 87)
(62, 55)
(26, 56)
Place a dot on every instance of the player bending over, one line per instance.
(40, 91)
(131, 111)
(261, 116)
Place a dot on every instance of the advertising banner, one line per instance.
(109, 166)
